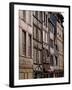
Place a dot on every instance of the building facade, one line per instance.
(60, 44)
(25, 45)
(41, 44)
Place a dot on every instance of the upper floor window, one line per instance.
(56, 46)
(24, 42)
(29, 46)
(45, 17)
(36, 13)
(56, 60)
(46, 21)
(45, 56)
(29, 17)
(51, 61)
(51, 27)
(34, 31)
(24, 15)
(37, 33)
(40, 15)
(51, 43)
(34, 55)
(37, 56)
(45, 36)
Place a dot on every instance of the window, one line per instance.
(24, 15)
(56, 47)
(56, 60)
(46, 20)
(29, 46)
(44, 55)
(45, 36)
(34, 55)
(37, 33)
(51, 61)
(21, 14)
(36, 13)
(44, 17)
(60, 46)
(24, 42)
(34, 32)
(29, 18)
(37, 56)
(40, 15)
(51, 28)
(51, 43)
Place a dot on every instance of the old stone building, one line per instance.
(56, 44)
(41, 43)
(25, 45)
(37, 44)
(60, 44)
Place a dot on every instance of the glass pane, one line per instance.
(34, 55)
(34, 32)
(24, 15)
(24, 42)
(29, 46)
(29, 18)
